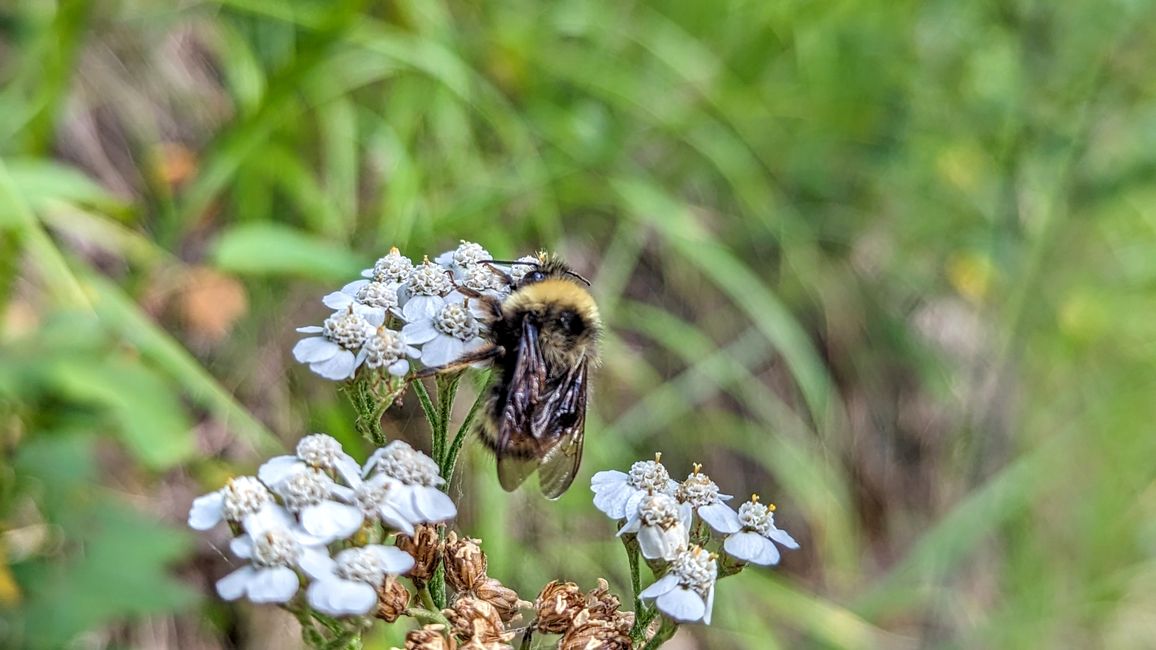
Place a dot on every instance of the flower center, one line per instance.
(519, 271)
(362, 566)
(394, 267)
(383, 348)
(303, 488)
(756, 516)
(649, 475)
(408, 465)
(659, 510)
(698, 490)
(378, 294)
(456, 320)
(244, 496)
(370, 495)
(469, 253)
(696, 569)
(319, 450)
(480, 277)
(429, 279)
(346, 329)
(275, 547)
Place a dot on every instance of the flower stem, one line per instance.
(451, 457)
(663, 635)
(447, 390)
(426, 616)
(431, 414)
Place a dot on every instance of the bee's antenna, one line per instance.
(579, 277)
(510, 262)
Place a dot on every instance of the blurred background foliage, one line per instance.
(890, 264)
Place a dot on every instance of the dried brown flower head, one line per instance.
(595, 634)
(601, 603)
(476, 620)
(425, 547)
(557, 605)
(392, 600)
(430, 637)
(465, 563)
(504, 599)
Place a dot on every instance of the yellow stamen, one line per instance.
(697, 467)
(393, 250)
(658, 457)
(754, 498)
(771, 507)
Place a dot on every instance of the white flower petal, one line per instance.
(747, 546)
(682, 605)
(656, 543)
(709, 604)
(664, 584)
(273, 585)
(399, 368)
(341, 366)
(607, 478)
(242, 546)
(348, 469)
(353, 287)
(768, 554)
(338, 597)
(441, 350)
(316, 562)
(630, 508)
(394, 519)
(207, 511)
(311, 329)
(782, 537)
(395, 560)
(631, 526)
(330, 520)
(315, 349)
(337, 300)
(232, 586)
(277, 469)
(614, 502)
(721, 518)
(421, 307)
(269, 516)
(419, 332)
(433, 505)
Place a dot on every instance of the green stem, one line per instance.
(451, 460)
(427, 615)
(447, 390)
(437, 586)
(430, 413)
(663, 635)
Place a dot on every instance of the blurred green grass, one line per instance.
(891, 265)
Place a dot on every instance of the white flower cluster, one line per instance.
(661, 512)
(400, 312)
(300, 508)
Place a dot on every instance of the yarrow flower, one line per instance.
(394, 268)
(337, 352)
(754, 542)
(662, 525)
(241, 500)
(367, 295)
(312, 495)
(275, 550)
(686, 592)
(425, 290)
(618, 493)
(703, 495)
(350, 584)
(416, 479)
(447, 334)
(319, 451)
(522, 266)
(465, 255)
(388, 349)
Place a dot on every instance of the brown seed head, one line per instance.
(425, 547)
(601, 603)
(595, 634)
(504, 599)
(430, 637)
(392, 600)
(557, 605)
(475, 619)
(465, 563)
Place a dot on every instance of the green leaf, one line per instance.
(42, 180)
(272, 249)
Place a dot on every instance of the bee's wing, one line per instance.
(518, 449)
(568, 413)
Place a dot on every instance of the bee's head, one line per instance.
(549, 266)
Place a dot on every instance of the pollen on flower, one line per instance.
(469, 253)
(319, 450)
(275, 547)
(659, 510)
(362, 565)
(378, 294)
(429, 279)
(347, 329)
(244, 496)
(394, 267)
(456, 320)
(383, 348)
(408, 465)
(649, 475)
(696, 569)
(303, 488)
(698, 489)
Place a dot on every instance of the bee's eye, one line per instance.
(533, 276)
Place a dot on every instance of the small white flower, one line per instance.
(466, 254)
(518, 271)
(617, 493)
(418, 498)
(754, 542)
(394, 268)
(319, 451)
(382, 498)
(350, 587)
(388, 349)
(686, 592)
(484, 279)
(446, 334)
(241, 499)
(703, 495)
(662, 525)
(337, 353)
(369, 295)
(424, 292)
(274, 550)
(309, 492)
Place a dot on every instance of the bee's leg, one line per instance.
(493, 307)
(484, 354)
(505, 276)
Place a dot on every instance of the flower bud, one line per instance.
(557, 605)
(425, 547)
(430, 637)
(504, 599)
(476, 620)
(392, 600)
(465, 563)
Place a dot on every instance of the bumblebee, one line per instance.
(543, 340)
